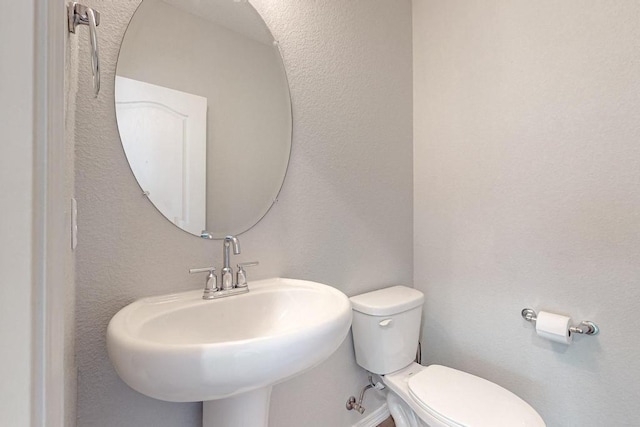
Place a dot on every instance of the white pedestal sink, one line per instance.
(227, 352)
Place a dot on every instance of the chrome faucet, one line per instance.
(227, 272)
(226, 287)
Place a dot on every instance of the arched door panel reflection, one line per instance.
(221, 53)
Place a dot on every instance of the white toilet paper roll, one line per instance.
(553, 327)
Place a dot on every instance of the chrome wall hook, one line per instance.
(585, 327)
(79, 14)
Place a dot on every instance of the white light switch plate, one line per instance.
(74, 223)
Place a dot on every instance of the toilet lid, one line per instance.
(465, 400)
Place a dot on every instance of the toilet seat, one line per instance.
(386, 328)
(460, 399)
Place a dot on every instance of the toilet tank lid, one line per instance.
(387, 301)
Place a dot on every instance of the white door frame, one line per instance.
(50, 222)
(32, 197)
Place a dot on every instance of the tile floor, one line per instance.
(387, 423)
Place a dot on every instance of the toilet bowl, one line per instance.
(386, 326)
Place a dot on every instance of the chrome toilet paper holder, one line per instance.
(585, 327)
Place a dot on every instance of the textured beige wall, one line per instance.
(527, 193)
(343, 216)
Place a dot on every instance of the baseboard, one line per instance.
(374, 418)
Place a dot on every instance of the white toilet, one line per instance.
(386, 326)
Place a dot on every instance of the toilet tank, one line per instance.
(386, 327)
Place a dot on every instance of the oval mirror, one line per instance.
(204, 113)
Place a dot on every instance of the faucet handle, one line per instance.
(202, 270)
(248, 264)
(241, 275)
(211, 284)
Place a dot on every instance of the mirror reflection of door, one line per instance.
(220, 50)
(164, 133)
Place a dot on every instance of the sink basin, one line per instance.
(182, 348)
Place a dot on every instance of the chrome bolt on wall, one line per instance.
(352, 403)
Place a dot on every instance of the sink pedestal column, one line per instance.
(249, 409)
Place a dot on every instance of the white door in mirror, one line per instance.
(164, 135)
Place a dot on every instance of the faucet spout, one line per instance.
(227, 272)
(226, 249)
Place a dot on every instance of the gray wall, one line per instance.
(343, 217)
(17, 198)
(527, 193)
